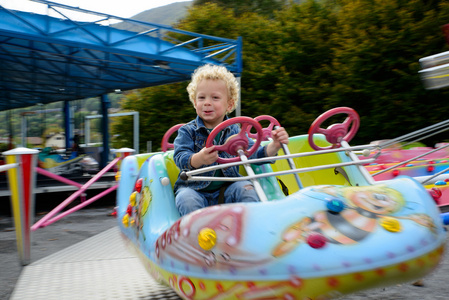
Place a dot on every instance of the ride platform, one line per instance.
(100, 267)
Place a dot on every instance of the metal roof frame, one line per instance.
(52, 57)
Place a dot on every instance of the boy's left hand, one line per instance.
(279, 136)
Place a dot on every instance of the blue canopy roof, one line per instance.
(52, 57)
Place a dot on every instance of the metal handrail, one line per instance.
(8, 166)
(273, 158)
(287, 172)
(409, 160)
(190, 175)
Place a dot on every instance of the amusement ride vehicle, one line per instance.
(324, 226)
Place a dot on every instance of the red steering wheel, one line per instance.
(165, 145)
(237, 141)
(266, 132)
(336, 132)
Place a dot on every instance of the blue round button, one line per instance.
(335, 205)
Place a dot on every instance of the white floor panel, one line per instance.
(100, 267)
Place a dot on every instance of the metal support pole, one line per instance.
(290, 162)
(105, 129)
(24, 130)
(258, 188)
(87, 132)
(238, 109)
(239, 63)
(67, 117)
(136, 131)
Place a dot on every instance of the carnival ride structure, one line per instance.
(427, 165)
(67, 164)
(323, 228)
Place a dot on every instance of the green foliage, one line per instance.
(375, 65)
(210, 19)
(262, 7)
(288, 78)
(300, 60)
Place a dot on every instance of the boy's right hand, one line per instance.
(206, 156)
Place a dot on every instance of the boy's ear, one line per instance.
(230, 105)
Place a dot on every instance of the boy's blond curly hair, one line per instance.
(214, 72)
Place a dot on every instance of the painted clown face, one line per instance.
(382, 201)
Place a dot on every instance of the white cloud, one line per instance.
(124, 9)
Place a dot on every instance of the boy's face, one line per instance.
(212, 102)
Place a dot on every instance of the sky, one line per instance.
(119, 8)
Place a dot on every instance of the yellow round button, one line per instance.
(390, 224)
(125, 220)
(207, 238)
(132, 199)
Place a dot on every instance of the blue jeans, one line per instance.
(188, 200)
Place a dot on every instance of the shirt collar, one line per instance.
(200, 122)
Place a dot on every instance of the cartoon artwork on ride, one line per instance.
(139, 202)
(366, 210)
(336, 231)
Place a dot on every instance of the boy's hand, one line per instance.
(206, 156)
(279, 136)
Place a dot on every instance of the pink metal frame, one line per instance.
(50, 218)
(61, 179)
(57, 177)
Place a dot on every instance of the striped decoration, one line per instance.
(21, 184)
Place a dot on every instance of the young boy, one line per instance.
(213, 91)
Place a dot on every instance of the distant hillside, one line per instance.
(164, 15)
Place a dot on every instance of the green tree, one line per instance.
(210, 19)
(375, 66)
(310, 57)
(286, 64)
(239, 7)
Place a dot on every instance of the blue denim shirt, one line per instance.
(192, 138)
